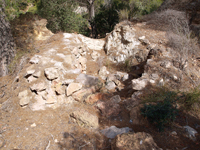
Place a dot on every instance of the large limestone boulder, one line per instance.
(134, 141)
(121, 42)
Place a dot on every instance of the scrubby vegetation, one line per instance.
(61, 16)
(179, 35)
(161, 114)
(161, 105)
(109, 14)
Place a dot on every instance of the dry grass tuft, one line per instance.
(180, 37)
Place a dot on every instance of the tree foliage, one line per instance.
(61, 16)
(15, 7)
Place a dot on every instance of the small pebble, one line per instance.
(33, 125)
(174, 133)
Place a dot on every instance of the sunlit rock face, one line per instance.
(121, 43)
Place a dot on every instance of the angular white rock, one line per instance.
(73, 87)
(35, 59)
(103, 72)
(38, 87)
(51, 73)
(139, 84)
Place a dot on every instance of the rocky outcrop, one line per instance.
(7, 46)
(121, 43)
(134, 141)
(40, 30)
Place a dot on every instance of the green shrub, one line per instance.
(143, 7)
(15, 7)
(61, 16)
(190, 98)
(159, 94)
(161, 114)
(105, 20)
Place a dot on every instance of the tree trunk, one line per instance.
(91, 9)
(7, 46)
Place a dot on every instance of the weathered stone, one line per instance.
(82, 94)
(85, 119)
(37, 74)
(51, 73)
(73, 87)
(119, 75)
(139, 84)
(87, 80)
(117, 82)
(141, 56)
(61, 99)
(43, 94)
(67, 81)
(38, 87)
(166, 64)
(108, 108)
(39, 104)
(134, 141)
(115, 99)
(69, 100)
(59, 89)
(82, 61)
(174, 133)
(40, 30)
(110, 86)
(143, 40)
(95, 55)
(113, 131)
(91, 99)
(31, 79)
(30, 70)
(35, 59)
(103, 72)
(51, 99)
(93, 44)
(125, 77)
(68, 59)
(112, 77)
(24, 98)
(190, 132)
(121, 42)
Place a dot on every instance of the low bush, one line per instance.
(143, 7)
(191, 99)
(163, 113)
(179, 35)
